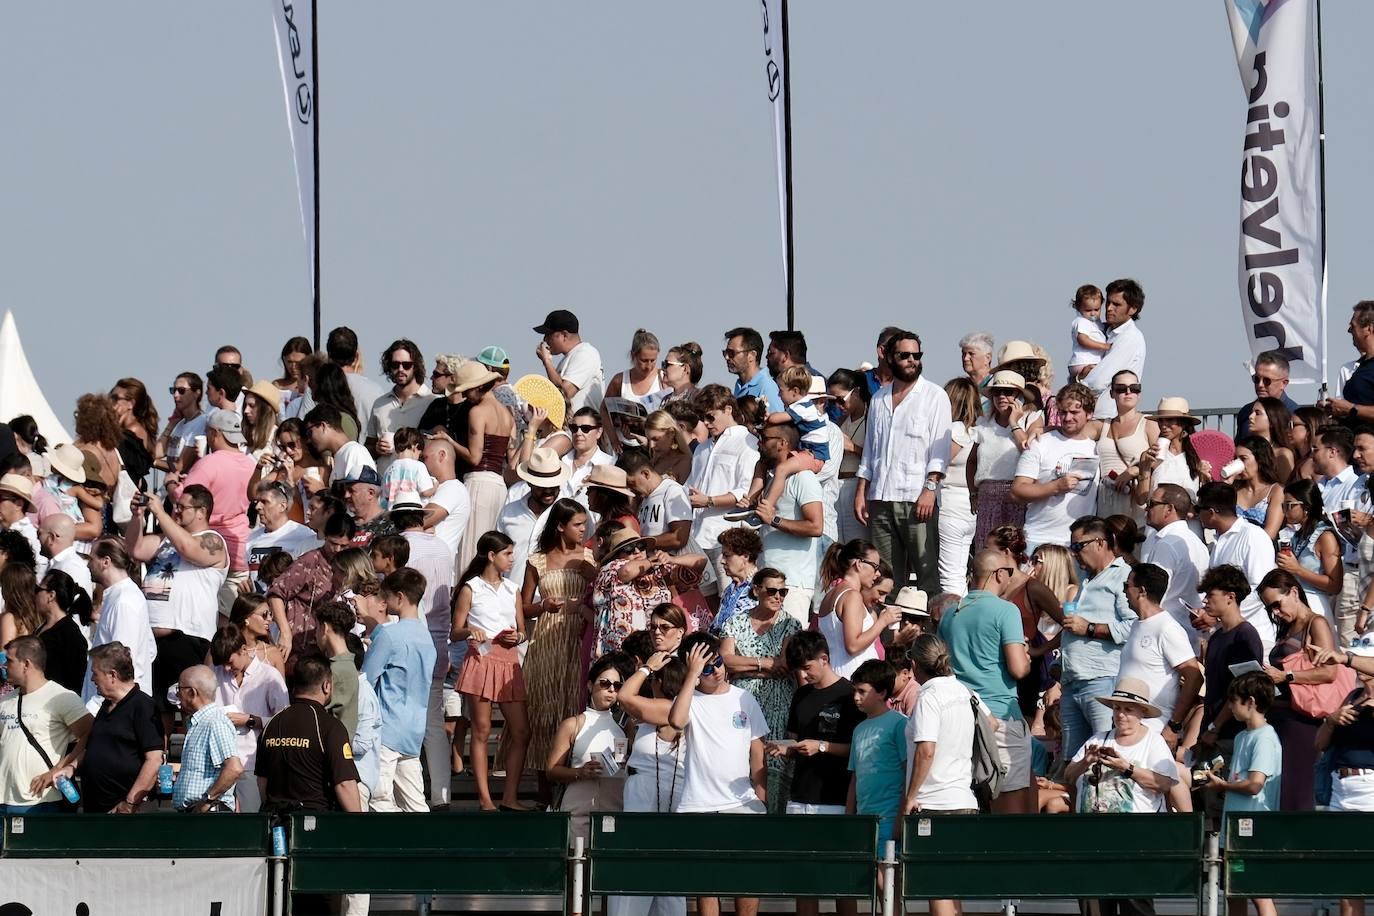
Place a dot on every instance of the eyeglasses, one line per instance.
(904, 355)
(662, 627)
(1037, 561)
(606, 683)
(1077, 546)
(771, 590)
(182, 507)
(176, 390)
(1009, 570)
(1291, 504)
(1272, 606)
(867, 562)
(121, 397)
(43, 588)
(288, 443)
(235, 366)
(730, 353)
(584, 428)
(441, 373)
(400, 364)
(1126, 389)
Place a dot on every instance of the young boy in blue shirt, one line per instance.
(878, 750)
(1252, 783)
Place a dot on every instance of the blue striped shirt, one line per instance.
(209, 742)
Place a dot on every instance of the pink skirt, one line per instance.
(494, 677)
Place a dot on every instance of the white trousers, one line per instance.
(957, 524)
(400, 784)
(436, 747)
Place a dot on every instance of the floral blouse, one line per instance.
(623, 607)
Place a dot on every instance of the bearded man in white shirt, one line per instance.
(1125, 302)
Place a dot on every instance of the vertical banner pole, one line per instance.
(787, 170)
(1321, 179)
(777, 68)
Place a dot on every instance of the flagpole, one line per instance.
(787, 169)
(1321, 179)
(315, 131)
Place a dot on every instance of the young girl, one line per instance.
(1087, 339)
(406, 475)
(488, 615)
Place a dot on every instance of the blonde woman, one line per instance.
(956, 519)
(1053, 566)
(669, 452)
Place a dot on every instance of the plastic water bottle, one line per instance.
(1070, 607)
(4, 666)
(164, 779)
(68, 789)
(279, 841)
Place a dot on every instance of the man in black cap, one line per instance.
(578, 374)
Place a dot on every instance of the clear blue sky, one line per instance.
(958, 166)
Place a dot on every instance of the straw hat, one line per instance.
(544, 469)
(1132, 690)
(1174, 409)
(68, 460)
(407, 502)
(818, 388)
(912, 600)
(94, 471)
(1016, 351)
(469, 376)
(609, 477)
(1008, 379)
(537, 391)
(18, 485)
(621, 539)
(268, 392)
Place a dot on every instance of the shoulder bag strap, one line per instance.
(28, 734)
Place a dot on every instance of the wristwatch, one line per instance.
(774, 523)
(823, 747)
(1129, 771)
(1288, 677)
(1175, 727)
(932, 486)
(645, 670)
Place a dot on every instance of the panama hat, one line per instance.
(1131, 690)
(18, 485)
(406, 502)
(1174, 409)
(469, 376)
(608, 477)
(537, 391)
(1008, 379)
(544, 469)
(912, 601)
(69, 461)
(622, 539)
(268, 392)
(1017, 351)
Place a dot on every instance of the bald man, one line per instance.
(57, 541)
(210, 764)
(990, 655)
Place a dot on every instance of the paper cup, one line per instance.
(200, 445)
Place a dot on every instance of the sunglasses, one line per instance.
(1156, 502)
(583, 427)
(1273, 606)
(731, 354)
(772, 590)
(712, 668)
(668, 362)
(227, 366)
(1077, 546)
(176, 390)
(662, 627)
(1125, 389)
(1261, 380)
(288, 443)
(607, 684)
(400, 364)
(904, 355)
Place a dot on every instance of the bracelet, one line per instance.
(645, 670)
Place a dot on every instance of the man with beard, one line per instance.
(906, 450)
(403, 405)
(1056, 476)
(743, 349)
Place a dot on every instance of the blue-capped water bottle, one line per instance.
(4, 666)
(279, 841)
(164, 779)
(68, 789)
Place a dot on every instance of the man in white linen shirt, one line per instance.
(1125, 302)
(906, 450)
(1340, 483)
(1056, 476)
(1172, 545)
(57, 540)
(1240, 544)
(722, 468)
(578, 374)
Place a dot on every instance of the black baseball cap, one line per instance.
(558, 320)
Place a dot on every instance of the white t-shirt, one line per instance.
(293, 537)
(944, 715)
(997, 451)
(720, 728)
(1049, 458)
(661, 508)
(1080, 355)
(349, 462)
(1114, 793)
(1155, 647)
(493, 609)
(452, 497)
(582, 366)
(184, 435)
(49, 713)
(124, 618)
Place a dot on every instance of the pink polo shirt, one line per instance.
(225, 474)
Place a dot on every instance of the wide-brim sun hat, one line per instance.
(268, 392)
(1134, 691)
(623, 539)
(69, 461)
(544, 469)
(608, 477)
(1006, 380)
(18, 485)
(1016, 351)
(538, 391)
(1174, 408)
(471, 375)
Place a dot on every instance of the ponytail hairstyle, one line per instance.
(1009, 538)
(930, 655)
(689, 354)
(491, 542)
(70, 597)
(25, 428)
(839, 556)
(112, 549)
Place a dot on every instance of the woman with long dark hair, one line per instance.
(292, 383)
(851, 629)
(1312, 551)
(62, 602)
(1259, 491)
(329, 385)
(1270, 419)
(138, 417)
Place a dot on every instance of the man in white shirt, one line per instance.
(1242, 545)
(1159, 653)
(57, 540)
(342, 348)
(275, 531)
(57, 725)
(403, 405)
(1125, 302)
(578, 374)
(1341, 487)
(324, 429)
(522, 520)
(722, 468)
(906, 450)
(665, 512)
(448, 507)
(1172, 545)
(251, 692)
(1057, 474)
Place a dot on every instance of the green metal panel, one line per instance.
(674, 855)
(440, 853)
(163, 836)
(1299, 854)
(991, 856)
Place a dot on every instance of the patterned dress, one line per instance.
(553, 676)
(773, 693)
(623, 607)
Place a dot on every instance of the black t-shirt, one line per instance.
(120, 736)
(823, 714)
(300, 773)
(452, 417)
(66, 654)
(1353, 745)
(1223, 650)
(1359, 389)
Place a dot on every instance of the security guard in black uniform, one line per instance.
(305, 762)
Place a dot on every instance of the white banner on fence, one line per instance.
(775, 68)
(149, 887)
(294, 25)
(1281, 269)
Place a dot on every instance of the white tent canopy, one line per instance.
(19, 391)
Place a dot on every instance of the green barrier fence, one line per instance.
(1299, 854)
(436, 853)
(144, 836)
(992, 856)
(731, 855)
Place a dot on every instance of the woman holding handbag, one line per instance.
(1304, 690)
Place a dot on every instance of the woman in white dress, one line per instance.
(956, 513)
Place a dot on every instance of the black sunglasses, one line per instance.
(1122, 389)
(904, 355)
(606, 683)
(771, 590)
(583, 427)
(1077, 546)
(176, 390)
(400, 364)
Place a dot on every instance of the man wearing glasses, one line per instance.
(988, 649)
(906, 450)
(742, 352)
(1270, 379)
(177, 444)
(403, 405)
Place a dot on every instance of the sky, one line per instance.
(957, 166)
